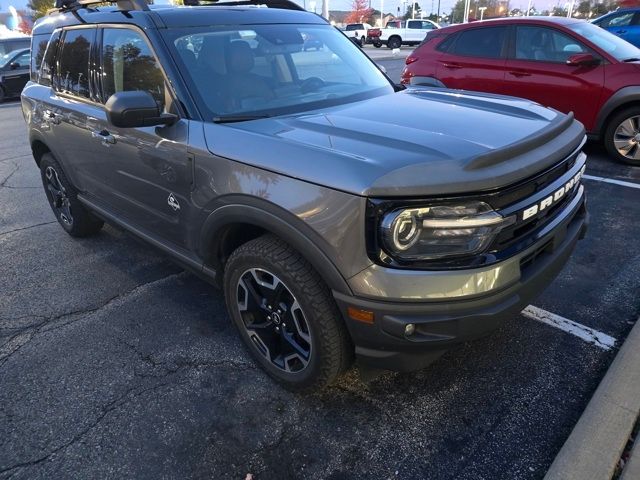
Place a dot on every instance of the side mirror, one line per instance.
(582, 59)
(14, 65)
(136, 109)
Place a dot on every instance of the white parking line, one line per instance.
(587, 334)
(611, 180)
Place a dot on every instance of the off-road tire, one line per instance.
(610, 131)
(83, 222)
(394, 42)
(331, 348)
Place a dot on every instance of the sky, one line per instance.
(390, 6)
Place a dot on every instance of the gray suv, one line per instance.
(344, 216)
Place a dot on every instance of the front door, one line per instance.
(538, 71)
(16, 74)
(146, 172)
(475, 60)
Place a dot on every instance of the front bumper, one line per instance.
(453, 317)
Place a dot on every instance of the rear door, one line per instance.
(16, 74)
(475, 60)
(537, 70)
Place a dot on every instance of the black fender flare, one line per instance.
(620, 98)
(249, 210)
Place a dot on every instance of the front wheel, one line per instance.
(285, 314)
(622, 136)
(377, 44)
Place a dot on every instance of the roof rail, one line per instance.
(74, 5)
(283, 4)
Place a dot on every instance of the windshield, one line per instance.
(267, 70)
(613, 45)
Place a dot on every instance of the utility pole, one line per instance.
(325, 9)
(467, 6)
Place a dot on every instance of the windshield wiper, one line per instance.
(632, 59)
(237, 118)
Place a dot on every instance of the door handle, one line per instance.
(105, 137)
(451, 66)
(52, 117)
(621, 31)
(520, 74)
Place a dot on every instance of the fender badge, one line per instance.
(173, 203)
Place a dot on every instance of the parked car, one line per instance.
(358, 31)
(334, 231)
(11, 44)
(398, 33)
(624, 23)
(567, 64)
(14, 73)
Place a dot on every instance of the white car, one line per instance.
(409, 32)
(357, 32)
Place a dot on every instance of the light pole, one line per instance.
(528, 8)
(467, 6)
(482, 9)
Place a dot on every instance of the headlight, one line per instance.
(441, 231)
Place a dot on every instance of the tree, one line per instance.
(584, 8)
(457, 12)
(558, 12)
(360, 12)
(40, 7)
(412, 12)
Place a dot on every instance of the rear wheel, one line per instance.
(394, 42)
(70, 213)
(377, 44)
(622, 136)
(2, 94)
(363, 40)
(286, 314)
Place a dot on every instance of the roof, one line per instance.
(164, 16)
(509, 20)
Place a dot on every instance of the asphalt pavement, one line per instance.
(114, 363)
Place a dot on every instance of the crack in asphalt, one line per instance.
(34, 329)
(6, 179)
(27, 228)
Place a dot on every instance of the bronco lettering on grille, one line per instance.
(554, 197)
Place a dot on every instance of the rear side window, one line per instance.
(128, 64)
(481, 42)
(49, 60)
(445, 44)
(72, 75)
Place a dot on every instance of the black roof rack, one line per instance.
(74, 5)
(283, 4)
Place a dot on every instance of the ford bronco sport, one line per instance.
(211, 133)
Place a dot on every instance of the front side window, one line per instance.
(129, 64)
(480, 42)
(38, 47)
(72, 76)
(271, 69)
(610, 43)
(545, 44)
(23, 60)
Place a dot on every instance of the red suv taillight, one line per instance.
(410, 59)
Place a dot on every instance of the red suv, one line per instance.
(567, 64)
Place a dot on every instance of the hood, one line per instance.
(418, 142)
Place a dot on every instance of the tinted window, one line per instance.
(48, 62)
(480, 42)
(72, 76)
(415, 24)
(38, 47)
(355, 26)
(445, 44)
(23, 60)
(620, 20)
(545, 44)
(128, 64)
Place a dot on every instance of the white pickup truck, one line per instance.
(398, 33)
(357, 32)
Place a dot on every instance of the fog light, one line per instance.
(409, 329)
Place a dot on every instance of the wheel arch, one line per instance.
(38, 149)
(234, 224)
(623, 98)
